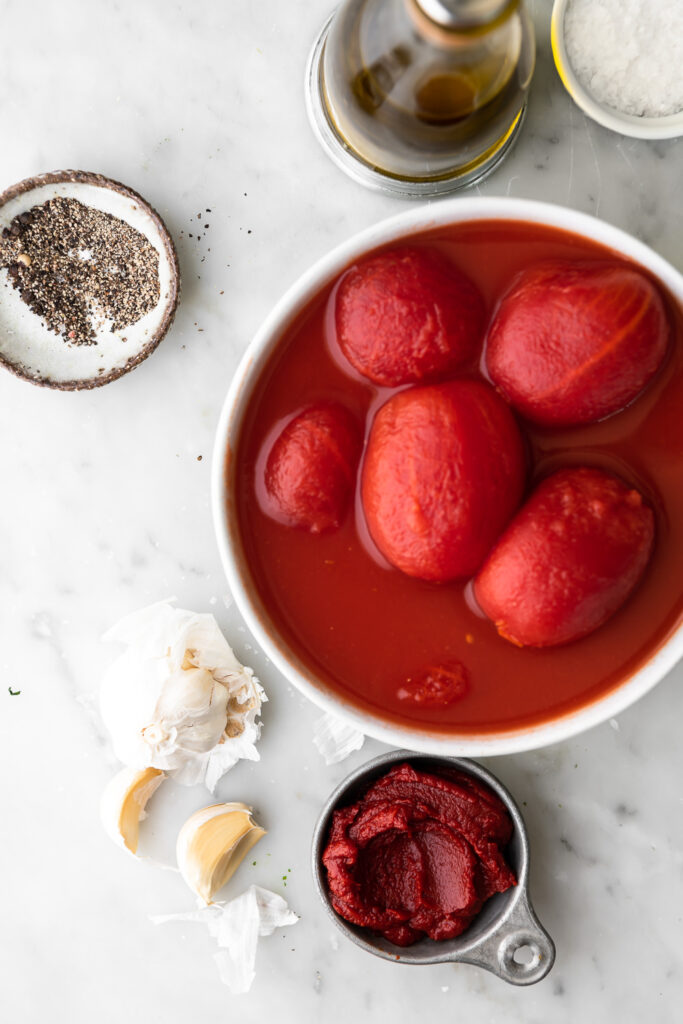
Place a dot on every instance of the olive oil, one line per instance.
(416, 101)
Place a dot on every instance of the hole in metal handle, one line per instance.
(526, 954)
(519, 951)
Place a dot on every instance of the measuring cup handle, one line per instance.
(520, 951)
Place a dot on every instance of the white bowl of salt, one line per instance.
(621, 61)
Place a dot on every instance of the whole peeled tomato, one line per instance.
(311, 468)
(443, 473)
(575, 342)
(407, 316)
(568, 560)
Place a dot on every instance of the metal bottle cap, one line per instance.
(462, 13)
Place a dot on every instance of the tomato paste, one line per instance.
(418, 855)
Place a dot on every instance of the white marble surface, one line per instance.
(106, 507)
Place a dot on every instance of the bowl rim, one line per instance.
(668, 126)
(447, 211)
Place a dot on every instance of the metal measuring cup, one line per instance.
(505, 938)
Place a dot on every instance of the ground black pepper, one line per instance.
(73, 264)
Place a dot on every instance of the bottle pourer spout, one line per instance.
(458, 14)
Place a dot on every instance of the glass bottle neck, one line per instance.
(462, 14)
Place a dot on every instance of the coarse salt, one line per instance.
(628, 53)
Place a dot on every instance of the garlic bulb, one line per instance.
(212, 844)
(178, 699)
(123, 803)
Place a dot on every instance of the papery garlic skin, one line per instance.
(178, 699)
(236, 926)
(335, 738)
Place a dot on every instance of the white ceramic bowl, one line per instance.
(667, 127)
(450, 211)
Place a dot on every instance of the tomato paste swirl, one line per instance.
(418, 855)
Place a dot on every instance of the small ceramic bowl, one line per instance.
(33, 352)
(247, 379)
(667, 127)
(506, 938)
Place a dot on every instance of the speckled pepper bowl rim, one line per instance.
(100, 181)
(399, 228)
(669, 126)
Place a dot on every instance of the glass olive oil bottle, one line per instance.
(421, 96)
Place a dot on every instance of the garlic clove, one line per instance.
(212, 844)
(123, 803)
